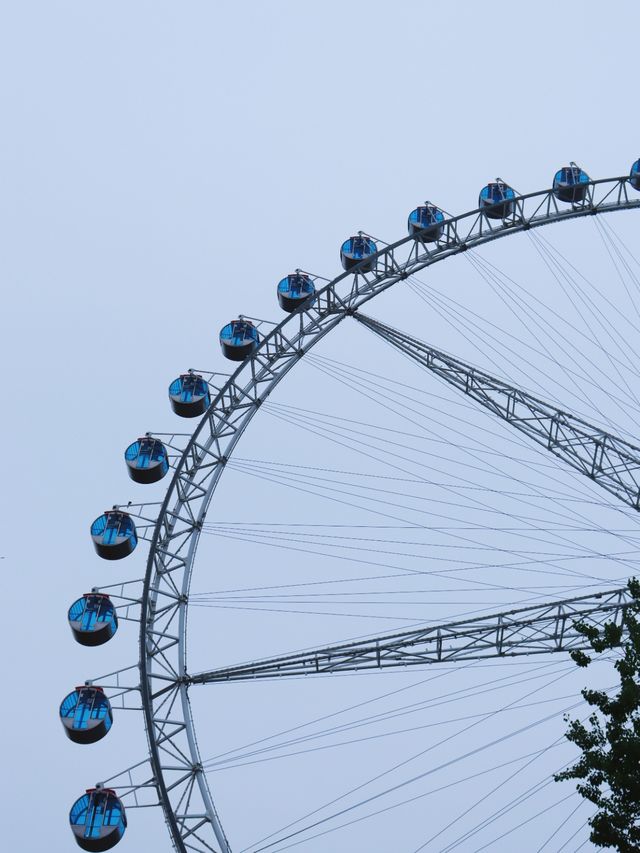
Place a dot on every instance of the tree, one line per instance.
(609, 768)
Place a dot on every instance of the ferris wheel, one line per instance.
(173, 774)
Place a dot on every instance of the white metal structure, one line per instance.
(163, 682)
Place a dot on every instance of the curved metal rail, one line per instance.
(178, 776)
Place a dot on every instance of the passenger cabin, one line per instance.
(147, 460)
(354, 251)
(114, 535)
(497, 200)
(189, 395)
(239, 339)
(86, 714)
(634, 175)
(426, 221)
(93, 619)
(98, 820)
(294, 290)
(570, 184)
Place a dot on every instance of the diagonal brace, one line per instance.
(610, 461)
(538, 629)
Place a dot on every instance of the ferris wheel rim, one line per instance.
(337, 308)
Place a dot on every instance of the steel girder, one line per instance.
(178, 776)
(534, 630)
(610, 461)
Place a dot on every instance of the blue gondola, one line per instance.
(293, 290)
(570, 184)
(354, 250)
(98, 820)
(147, 460)
(114, 535)
(189, 395)
(93, 619)
(634, 175)
(428, 218)
(238, 339)
(497, 200)
(86, 714)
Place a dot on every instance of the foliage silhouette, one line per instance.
(609, 768)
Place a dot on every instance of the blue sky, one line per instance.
(163, 165)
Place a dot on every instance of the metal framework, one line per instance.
(610, 461)
(176, 771)
(535, 630)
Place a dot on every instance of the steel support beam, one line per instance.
(610, 461)
(534, 630)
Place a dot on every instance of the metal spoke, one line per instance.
(610, 461)
(533, 630)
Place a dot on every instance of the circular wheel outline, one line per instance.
(163, 653)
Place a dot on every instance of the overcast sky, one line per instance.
(163, 165)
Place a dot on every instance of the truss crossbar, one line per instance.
(610, 461)
(182, 785)
(528, 631)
